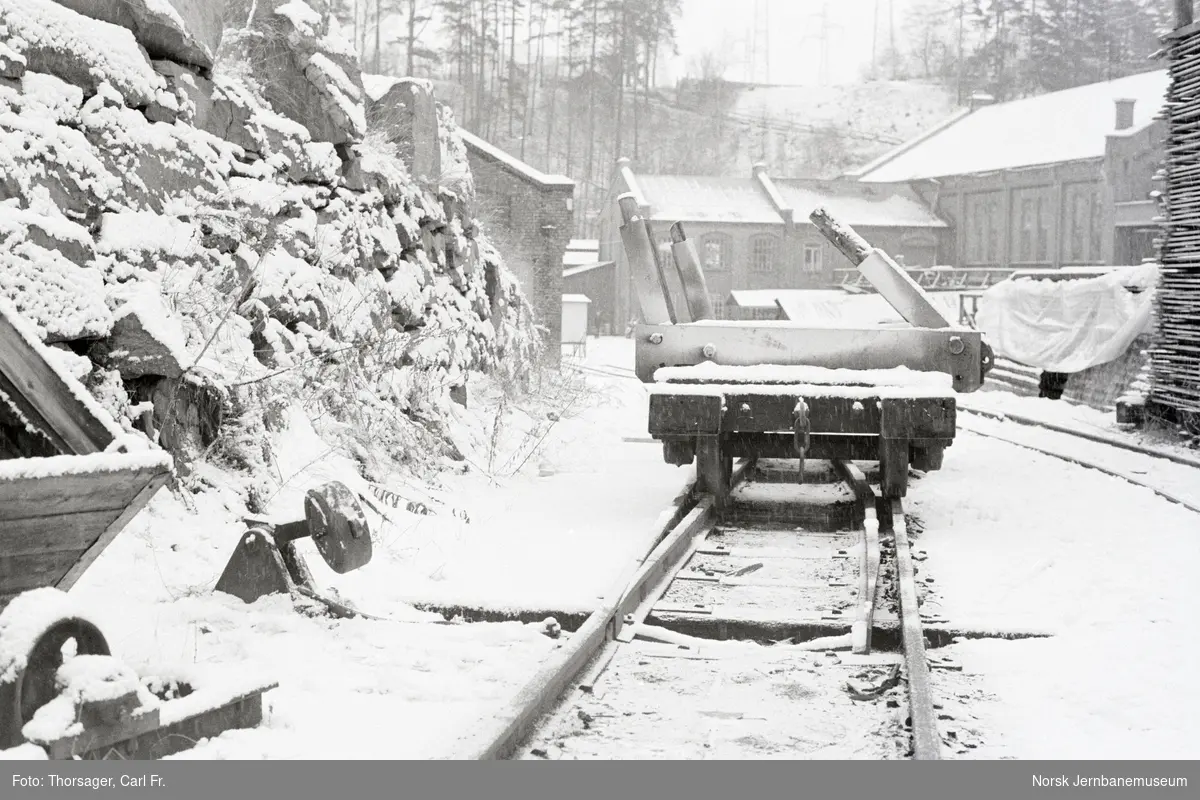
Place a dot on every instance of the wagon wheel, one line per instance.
(36, 683)
(714, 467)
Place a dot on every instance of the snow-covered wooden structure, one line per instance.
(70, 481)
(1175, 357)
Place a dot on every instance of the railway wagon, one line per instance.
(725, 389)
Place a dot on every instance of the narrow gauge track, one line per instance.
(747, 636)
(1078, 460)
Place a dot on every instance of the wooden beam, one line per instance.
(44, 396)
(137, 504)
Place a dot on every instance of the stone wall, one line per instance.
(531, 215)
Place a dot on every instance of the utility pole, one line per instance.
(824, 27)
(758, 55)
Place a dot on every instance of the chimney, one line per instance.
(980, 99)
(1124, 113)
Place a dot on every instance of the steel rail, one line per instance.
(501, 736)
(927, 743)
(1092, 437)
(1163, 493)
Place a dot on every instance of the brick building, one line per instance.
(530, 218)
(1058, 180)
(754, 233)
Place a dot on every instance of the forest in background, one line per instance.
(570, 85)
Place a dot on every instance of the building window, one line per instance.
(812, 258)
(1082, 243)
(985, 219)
(718, 305)
(1031, 226)
(1045, 214)
(716, 252)
(762, 253)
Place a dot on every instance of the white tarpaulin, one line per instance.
(1067, 326)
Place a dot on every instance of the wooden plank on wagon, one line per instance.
(137, 504)
(71, 532)
(21, 573)
(42, 394)
(29, 497)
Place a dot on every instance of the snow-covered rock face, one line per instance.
(241, 231)
(305, 68)
(187, 31)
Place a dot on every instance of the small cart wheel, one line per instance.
(36, 683)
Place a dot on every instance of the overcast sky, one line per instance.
(724, 26)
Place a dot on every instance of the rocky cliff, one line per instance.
(209, 227)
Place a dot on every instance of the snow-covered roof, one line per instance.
(697, 198)
(859, 205)
(701, 198)
(576, 298)
(592, 245)
(1070, 125)
(579, 258)
(518, 166)
(571, 272)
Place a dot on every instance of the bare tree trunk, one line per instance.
(512, 68)
(591, 151)
(621, 40)
(570, 92)
(483, 67)
(552, 97)
(529, 80)
(378, 31)
(412, 35)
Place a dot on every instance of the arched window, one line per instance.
(716, 252)
(763, 249)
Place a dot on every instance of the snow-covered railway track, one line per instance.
(747, 636)
(1076, 456)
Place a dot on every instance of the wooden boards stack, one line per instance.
(1175, 358)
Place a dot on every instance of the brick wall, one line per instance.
(530, 219)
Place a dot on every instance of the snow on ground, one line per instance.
(1024, 541)
(1015, 540)
(1075, 416)
(557, 509)
(1019, 540)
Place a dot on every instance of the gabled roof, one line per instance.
(1070, 125)
(857, 204)
(700, 198)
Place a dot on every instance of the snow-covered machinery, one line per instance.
(267, 560)
(70, 481)
(723, 389)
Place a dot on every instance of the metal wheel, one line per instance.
(714, 469)
(35, 684)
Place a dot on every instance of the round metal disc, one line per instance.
(35, 685)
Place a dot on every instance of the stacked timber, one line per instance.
(1175, 358)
